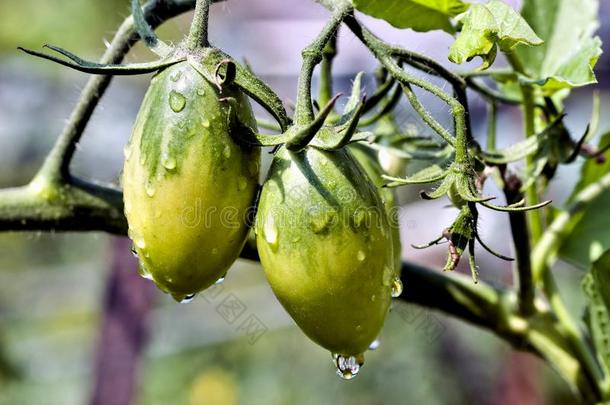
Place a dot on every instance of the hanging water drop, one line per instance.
(396, 287)
(374, 345)
(187, 298)
(176, 101)
(220, 280)
(127, 151)
(348, 367)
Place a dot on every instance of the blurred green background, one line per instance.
(52, 285)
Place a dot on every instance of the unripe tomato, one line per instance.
(187, 185)
(325, 244)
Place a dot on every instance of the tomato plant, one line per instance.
(325, 226)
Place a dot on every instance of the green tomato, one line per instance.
(188, 187)
(326, 246)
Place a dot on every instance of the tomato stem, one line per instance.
(198, 35)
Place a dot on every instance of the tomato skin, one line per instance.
(373, 169)
(325, 244)
(187, 185)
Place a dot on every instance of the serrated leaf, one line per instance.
(570, 51)
(596, 285)
(591, 235)
(485, 27)
(419, 15)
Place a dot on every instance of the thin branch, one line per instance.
(312, 55)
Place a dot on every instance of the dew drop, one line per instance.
(271, 233)
(214, 251)
(169, 162)
(374, 344)
(176, 101)
(361, 255)
(396, 287)
(150, 189)
(359, 218)
(201, 91)
(186, 299)
(321, 222)
(387, 275)
(242, 183)
(127, 205)
(175, 76)
(348, 367)
(143, 271)
(139, 242)
(205, 123)
(127, 151)
(226, 152)
(220, 280)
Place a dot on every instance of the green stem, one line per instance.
(561, 227)
(198, 35)
(382, 52)
(492, 125)
(325, 92)
(312, 56)
(531, 193)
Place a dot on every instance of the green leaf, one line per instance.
(487, 26)
(419, 15)
(591, 235)
(430, 174)
(570, 51)
(596, 286)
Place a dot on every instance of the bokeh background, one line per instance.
(77, 325)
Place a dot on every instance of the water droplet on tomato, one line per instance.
(242, 183)
(374, 344)
(214, 251)
(150, 188)
(321, 222)
(201, 91)
(143, 271)
(169, 162)
(205, 123)
(396, 287)
(387, 275)
(361, 255)
(226, 152)
(186, 299)
(176, 101)
(175, 76)
(127, 151)
(348, 367)
(270, 233)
